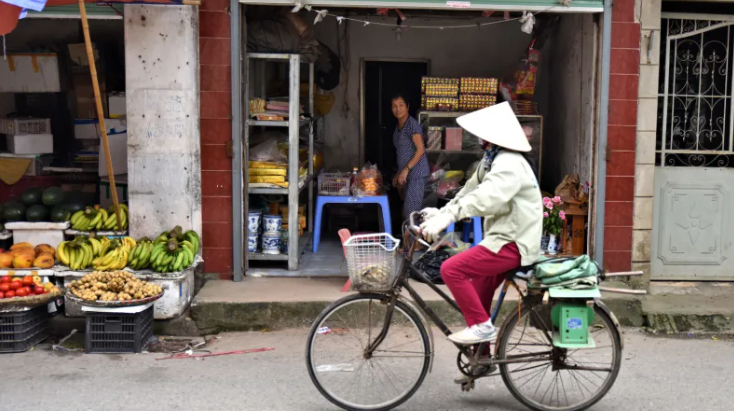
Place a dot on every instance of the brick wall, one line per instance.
(622, 136)
(216, 131)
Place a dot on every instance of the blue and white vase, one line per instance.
(253, 221)
(273, 223)
(271, 243)
(544, 244)
(553, 245)
(252, 242)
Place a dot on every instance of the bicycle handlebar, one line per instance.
(413, 227)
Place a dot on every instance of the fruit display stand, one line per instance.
(38, 232)
(109, 234)
(178, 288)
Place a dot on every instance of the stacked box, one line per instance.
(472, 102)
(439, 94)
(474, 85)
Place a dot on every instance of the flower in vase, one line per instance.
(546, 215)
(562, 214)
(557, 200)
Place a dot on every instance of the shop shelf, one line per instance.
(266, 123)
(281, 191)
(302, 244)
(20, 331)
(108, 333)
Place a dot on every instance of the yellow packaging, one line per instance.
(267, 179)
(268, 172)
(262, 164)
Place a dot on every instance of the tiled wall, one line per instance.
(216, 131)
(649, 18)
(623, 115)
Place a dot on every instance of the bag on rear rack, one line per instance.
(579, 272)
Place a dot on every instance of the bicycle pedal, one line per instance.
(463, 380)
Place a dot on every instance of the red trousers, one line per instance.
(474, 275)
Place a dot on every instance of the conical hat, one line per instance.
(497, 125)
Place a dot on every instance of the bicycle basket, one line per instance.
(372, 261)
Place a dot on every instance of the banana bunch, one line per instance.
(79, 253)
(141, 253)
(111, 222)
(116, 255)
(97, 218)
(172, 256)
(179, 235)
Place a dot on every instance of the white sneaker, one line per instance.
(477, 333)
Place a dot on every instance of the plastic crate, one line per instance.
(21, 126)
(20, 331)
(334, 184)
(110, 333)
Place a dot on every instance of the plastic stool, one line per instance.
(321, 201)
(478, 233)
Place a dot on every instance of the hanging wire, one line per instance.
(5, 50)
(320, 14)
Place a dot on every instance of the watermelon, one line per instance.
(74, 205)
(37, 213)
(32, 196)
(14, 212)
(53, 196)
(60, 214)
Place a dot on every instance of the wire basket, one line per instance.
(334, 184)
(372, 261)
(21, 126)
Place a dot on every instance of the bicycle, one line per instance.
(529, 346)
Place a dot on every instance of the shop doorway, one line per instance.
(382, 80)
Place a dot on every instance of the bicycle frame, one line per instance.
(402, 282)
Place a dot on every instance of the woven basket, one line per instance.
(32, 301)
(112, 304)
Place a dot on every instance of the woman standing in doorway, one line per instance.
(413, 168)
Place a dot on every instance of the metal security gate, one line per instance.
(694, 181)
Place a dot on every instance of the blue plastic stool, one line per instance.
(321, 201)
(478, 233)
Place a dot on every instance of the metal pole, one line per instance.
(294, 241)
(312, 113)
(237, 182)
(100, 110)
(601, 160)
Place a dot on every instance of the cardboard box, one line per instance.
(118, 152)
(117, 105)
(30, 143)
(454, 138)
(30, 73)
(84, 92)
(85, 129)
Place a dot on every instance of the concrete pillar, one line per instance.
(162, 72)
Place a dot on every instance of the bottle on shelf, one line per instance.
(353, 182)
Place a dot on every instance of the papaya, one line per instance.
(23, 261)
(20, 245)
(44, 248)
(44, 260)
(6, 260)
(23, 250)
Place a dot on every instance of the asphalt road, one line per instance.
(657, 374)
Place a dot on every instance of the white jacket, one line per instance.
(509, 199)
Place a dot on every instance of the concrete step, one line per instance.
(278, 303)
(674, 314)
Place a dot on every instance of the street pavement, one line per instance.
(657, 374)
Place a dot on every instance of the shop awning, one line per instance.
(10, 13)
(94, 12)
(575, 6)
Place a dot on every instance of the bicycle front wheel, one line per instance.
(353, 380)
(546, 378)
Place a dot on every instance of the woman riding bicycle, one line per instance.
(504, 190)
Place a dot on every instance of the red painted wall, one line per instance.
(622, 136)
(216, 131)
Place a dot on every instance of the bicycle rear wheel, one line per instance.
(558, 379)
(352, 380)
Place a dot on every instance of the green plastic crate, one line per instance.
(571, 322)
